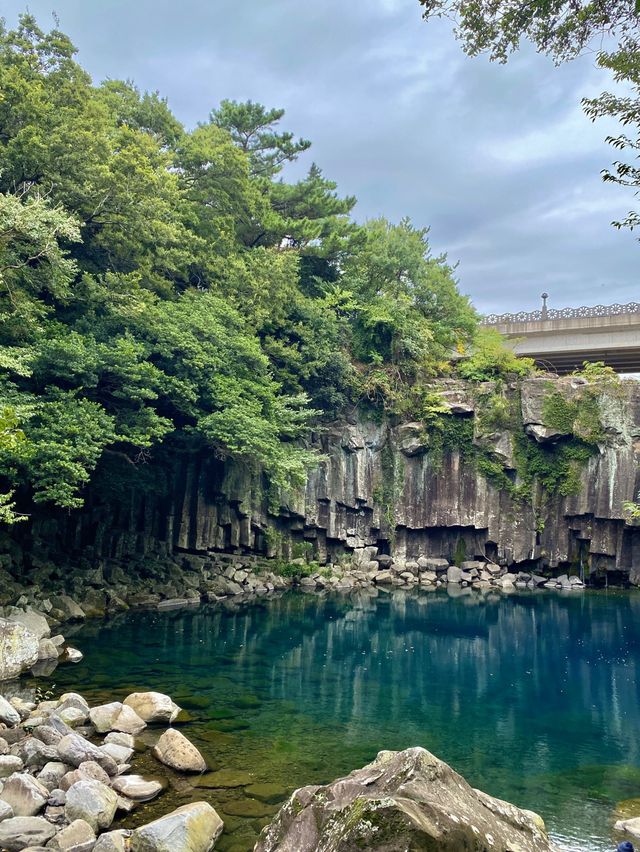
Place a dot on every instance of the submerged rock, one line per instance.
(194, 827)
(403, 800)
(174, 750)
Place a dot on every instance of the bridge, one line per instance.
(561, 340)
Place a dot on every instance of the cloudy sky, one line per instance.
(498, 160)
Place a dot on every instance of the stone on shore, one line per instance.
(93, 802)
(10, 763)
(112, 841)
(403, 800)
(8, 714)
(137, 788)
(21, 833)
(18, 649)
(174, 750)
(153, 707)
(78, 836)
(116, 717)
(25, 794)
(630, 826)
(194, 827)
(74, 750)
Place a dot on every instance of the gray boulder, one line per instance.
(174, 750)
(52, 773)
(8, 714)
(78, 836)
(137, 788)
(26, 795)
(454, 574)
(153, 707)
(194, 827)
(93, 802)
(6, 811)
(112, 841)
(24, 832)
(74, 750)
(403, 800)
(33, 621)
(116, 717)
(18, 649)
(68, 608)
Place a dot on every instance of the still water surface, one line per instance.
(533, 697)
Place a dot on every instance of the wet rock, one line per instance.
(194, 827)
(18, 649)
(74, 750)
(78, 836)
(116, 717)
(47, 650)
(93, 802)
(25, 794)
(25, 832)
(224, 778)
(403, 800)
(248, 808)
(630, 826)
(138, 788)
(174, 750)
(72, 655)
(8, 714)
(271, 793)
(153, 707)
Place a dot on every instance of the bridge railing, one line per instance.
(562, 313)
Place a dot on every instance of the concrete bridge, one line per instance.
(561, 340)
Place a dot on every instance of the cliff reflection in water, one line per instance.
(516, 692)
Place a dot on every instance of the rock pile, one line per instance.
(62, 788)
(403, 800)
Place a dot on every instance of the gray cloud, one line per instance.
(498, 160)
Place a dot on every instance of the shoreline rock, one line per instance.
(403, 800)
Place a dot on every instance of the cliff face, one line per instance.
(388, 486)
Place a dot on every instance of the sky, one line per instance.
(498, 160)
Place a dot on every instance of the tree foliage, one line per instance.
(160, 286)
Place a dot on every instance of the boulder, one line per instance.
(78, 836)
(26, 795)
(630, 826)
(454, 574)
(174, 750)
(33, 621)
(51, 774)
(194, 827)
(112, 841)
(93, 802)
(47, 650)
(24, 832)
(121, 754)
(153, 707)
(116, 717)
(69, 609)
(74, 750)
(118, 738)
(6, 811)
(8, 714)
(18, 649)
(403, 800)
(137, 788)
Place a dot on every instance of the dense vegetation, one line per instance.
(159, 285)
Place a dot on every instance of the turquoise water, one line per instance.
(533, 697)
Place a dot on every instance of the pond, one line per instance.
(533, 697)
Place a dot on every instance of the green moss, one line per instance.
(559, 413)
(388, 490)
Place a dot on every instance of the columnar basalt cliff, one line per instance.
(522, 489)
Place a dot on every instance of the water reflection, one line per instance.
(533, 697)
